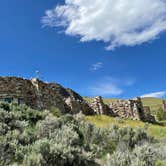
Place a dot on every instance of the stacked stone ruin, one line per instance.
(99, 107)
(40, 95)
(132, 109)
(164, 105)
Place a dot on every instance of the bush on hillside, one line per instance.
(35, 138)
(161, 115)
(145, 155)
(130, 137)
(56, 111)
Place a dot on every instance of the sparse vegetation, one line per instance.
(56, 111)
(161, 115)
(29, 137)
(103, 121)
(153, 103)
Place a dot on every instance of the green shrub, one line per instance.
(32, 159)
(45, 127)
(61, 149)
(38, 138)
(145, 155)
(120, 158)
(129, 136)
(119, 120)
(56, 111)
(161, 163)
(161, 115)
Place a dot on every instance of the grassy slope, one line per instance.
(154, 103)
(154, 130)
(107, 101)
(106, 122)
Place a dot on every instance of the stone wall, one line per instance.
(129, 109)
(147, 114)
(132, 109)
(100, 108)
(164, 105)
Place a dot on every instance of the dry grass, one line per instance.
(153, 103)
(105, 122)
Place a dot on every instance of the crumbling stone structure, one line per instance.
(147, 114)
(164, 105)
(129, 109)
(132, 109)
(100, 108)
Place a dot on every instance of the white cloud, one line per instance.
(116, 22)
(96, 66)
(105, 89)
(129, 82)
(109, 86)
(155, 94)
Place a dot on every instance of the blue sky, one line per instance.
(91, 66)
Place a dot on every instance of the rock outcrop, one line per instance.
(40, 95)
(33, 93)
(72, 99)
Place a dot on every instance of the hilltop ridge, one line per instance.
(41, 95)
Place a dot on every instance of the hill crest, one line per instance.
(40, 95)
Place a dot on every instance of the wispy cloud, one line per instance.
(106, 20)
(155, 94)
(129, 81)
(96, 66)
(105, 89)
(109, 86)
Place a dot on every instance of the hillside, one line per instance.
(106, 100)
(153, 103)
(41, 95)
(39, 138)
(103, 121)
